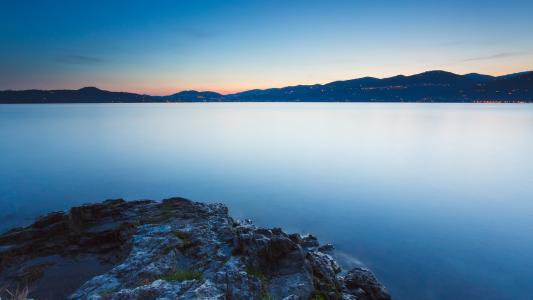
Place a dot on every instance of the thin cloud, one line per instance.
(494, 56)
(465, 43)
(79, 59)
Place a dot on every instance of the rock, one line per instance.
(326, 248)
(169, 250)
(359, 279)
(325, 271)
(66, 241)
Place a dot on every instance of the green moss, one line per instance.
(266, 296)
(182, 275)
(166, 214)
(257, 274)
(265, 281)
(108, 293)
(317, 296)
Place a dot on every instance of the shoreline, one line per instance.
(176, 248)
(277, 102)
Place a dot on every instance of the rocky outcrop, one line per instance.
(174, 249)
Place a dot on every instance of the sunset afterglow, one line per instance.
(230, 46)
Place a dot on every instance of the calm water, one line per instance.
(436, 198)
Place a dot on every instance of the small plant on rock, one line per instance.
(166, 213)
(108, 293)
(255, 272)
(183, 275)
(267, 296)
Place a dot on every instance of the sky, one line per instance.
(162, 47)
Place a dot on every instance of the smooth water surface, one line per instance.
(436, 198)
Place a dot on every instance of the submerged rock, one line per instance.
(174, 249)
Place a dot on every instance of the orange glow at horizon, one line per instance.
(231, 88)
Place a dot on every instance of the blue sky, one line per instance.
(160, 47)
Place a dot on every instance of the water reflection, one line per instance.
(436, 198)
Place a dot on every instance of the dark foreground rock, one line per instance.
(174, 249)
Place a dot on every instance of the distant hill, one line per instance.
(83, 95)
(479, 77)
(431, 86)
(195, 96)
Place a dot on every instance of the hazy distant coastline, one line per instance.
(431, 86)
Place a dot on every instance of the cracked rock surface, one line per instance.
(174, 249)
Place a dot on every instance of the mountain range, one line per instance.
(431, 86)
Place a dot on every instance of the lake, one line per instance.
(437, 199)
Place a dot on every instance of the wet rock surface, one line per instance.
(174, 249)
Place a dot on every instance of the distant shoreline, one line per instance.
(427, 87)
(303, 102)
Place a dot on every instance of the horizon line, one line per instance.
(226, 93)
